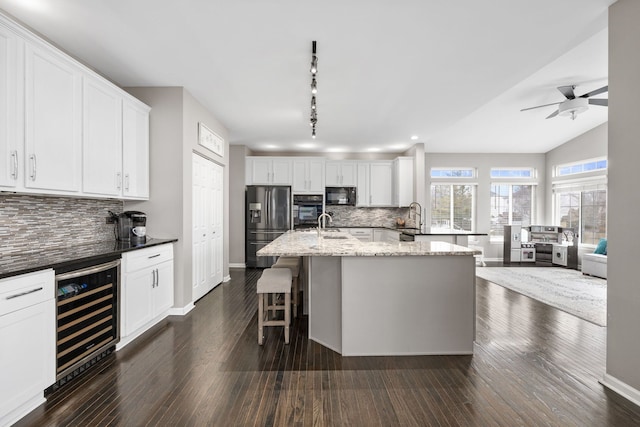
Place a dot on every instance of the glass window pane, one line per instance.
(440, 206)
(462, 207)
(452, 173)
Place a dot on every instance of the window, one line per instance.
(583, 207)
(512, 173)
(510, 203)
(452, 207)
(582, 167)
(453, 173)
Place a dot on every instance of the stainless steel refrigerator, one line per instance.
(267, 216)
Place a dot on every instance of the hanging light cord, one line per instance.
(314, 90)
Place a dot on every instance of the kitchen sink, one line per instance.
(335, 237)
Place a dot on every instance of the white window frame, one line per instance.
(529, 169)
(474, 173)
(582, 163)
(474, 190)
(511, 182)
(578, 186)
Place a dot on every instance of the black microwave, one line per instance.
(340, 196)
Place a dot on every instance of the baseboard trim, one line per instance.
(181, 311)
(237, 265)
(623, 389)
(226, 278)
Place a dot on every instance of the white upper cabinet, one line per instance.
(362, 187)
(403, 181)
(11, 153)
(308, 175)
(381, 183)
(340, 173)
(63, 128)
(135, 149)
(53, 128)
(268, 171)
(375, 183)
(102, 139)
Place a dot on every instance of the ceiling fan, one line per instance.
(573, 105)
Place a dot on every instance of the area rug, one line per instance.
(565, 289)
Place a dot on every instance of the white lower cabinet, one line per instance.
(362, 234)
(146, 291)
(27, 334)
(385, 235)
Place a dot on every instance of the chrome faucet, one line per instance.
(321, 224)
(417, 213)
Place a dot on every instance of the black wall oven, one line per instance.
(87, 313)
(306, 210)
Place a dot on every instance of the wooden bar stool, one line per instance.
(274, 281)
(293, 264)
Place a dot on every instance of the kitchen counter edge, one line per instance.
(17, 265)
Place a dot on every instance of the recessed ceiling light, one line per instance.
(414, 138)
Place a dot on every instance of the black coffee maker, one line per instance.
(130, 226)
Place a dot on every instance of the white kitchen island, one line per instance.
(380, 298)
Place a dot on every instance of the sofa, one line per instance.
(594, 265)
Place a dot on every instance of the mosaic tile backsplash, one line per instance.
(349, 216)
(38, 222)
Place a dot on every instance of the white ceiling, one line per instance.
(454, 73)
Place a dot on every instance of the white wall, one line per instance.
(483, 163)
(237, 205)
(589, 145)
(173, 137)
(623, 290)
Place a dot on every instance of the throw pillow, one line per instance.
(601, 248)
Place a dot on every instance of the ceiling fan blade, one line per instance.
(596, 92)
(567, 91)
(602, 102)
(540, 106)
(555, 113)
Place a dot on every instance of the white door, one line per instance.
(299, 176)
(380, 184)
(135, 146)
(101, 139)
(53, 128)
(316, 176)
(207, 226)
(10, 146)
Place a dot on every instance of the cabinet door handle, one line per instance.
(118, 180)
(153, 256)
(157, 278)
(126, 182)
(153, 278)
(14, 172)
(32, 158)
(24, 293)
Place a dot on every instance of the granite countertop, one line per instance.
(429, 232)
(415, 231)
(60, 258)
(338, 243)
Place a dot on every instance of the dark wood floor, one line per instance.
(533, 366)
